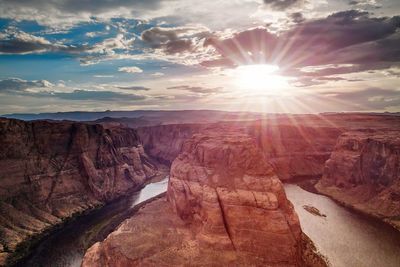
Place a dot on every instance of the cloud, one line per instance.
(13, 41)
(67, 13)
(15, 85)
(173, 40)
(130, 69)
(134, 88)
(297, 17)
(283, 4)
(369, 98)
(43, 88)
(197, 89)
(366, 4)
(349, 37)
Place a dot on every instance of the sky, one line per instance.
(297, 56)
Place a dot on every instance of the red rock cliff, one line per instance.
(295, 151)
(51, 171)
(363, 172)
(226, 207)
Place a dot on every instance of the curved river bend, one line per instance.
(347, 239)
(67, 246)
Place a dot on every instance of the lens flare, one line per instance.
(259, 78)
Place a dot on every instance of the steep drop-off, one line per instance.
(363, 172)
(164, 142)
(295, 151)
(226, 207)
(51, 171)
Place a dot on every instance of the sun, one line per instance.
(259, 78)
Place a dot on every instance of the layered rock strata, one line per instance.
(52, 171)
(226, 207)
(295, 151)
(363, 172)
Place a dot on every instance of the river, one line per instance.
(347, 239)
(66, 247)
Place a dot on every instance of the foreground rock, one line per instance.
(225, 207)
(364, 173)
(52, 171)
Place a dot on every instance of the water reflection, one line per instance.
(347, 239)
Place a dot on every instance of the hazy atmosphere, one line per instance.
(199, 133)
(298, 56)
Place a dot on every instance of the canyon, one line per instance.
(51, 172)
(226, 177)
(363, 172)
(225, 206)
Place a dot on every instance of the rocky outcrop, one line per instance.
(363, 173)
(226, 207)
(52, 171)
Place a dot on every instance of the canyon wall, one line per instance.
(295, 151)
(164, 142)
(53, 171)
(226, 207)
(363, 172)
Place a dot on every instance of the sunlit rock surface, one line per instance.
(50, 171)
(363, 172)
(225, 207)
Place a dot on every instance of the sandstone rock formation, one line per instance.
(295, 151)
(296, 145)
(52, 171)
(164, 142)
(363, 172)
(226, 207)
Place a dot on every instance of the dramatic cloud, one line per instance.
(67, 13)
(19, 42)
(368, 4)
(130, 69)
(282, 4)
(348, 37)
(15, 85)
(173, 40)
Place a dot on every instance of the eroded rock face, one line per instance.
(226, 207)
(224, 184)
(295, 151)
(164, 142)
(364, 172)
(51, 171)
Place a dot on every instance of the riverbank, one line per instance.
(346, 238)
(310, 185)
(343, 200)
(28, 247)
